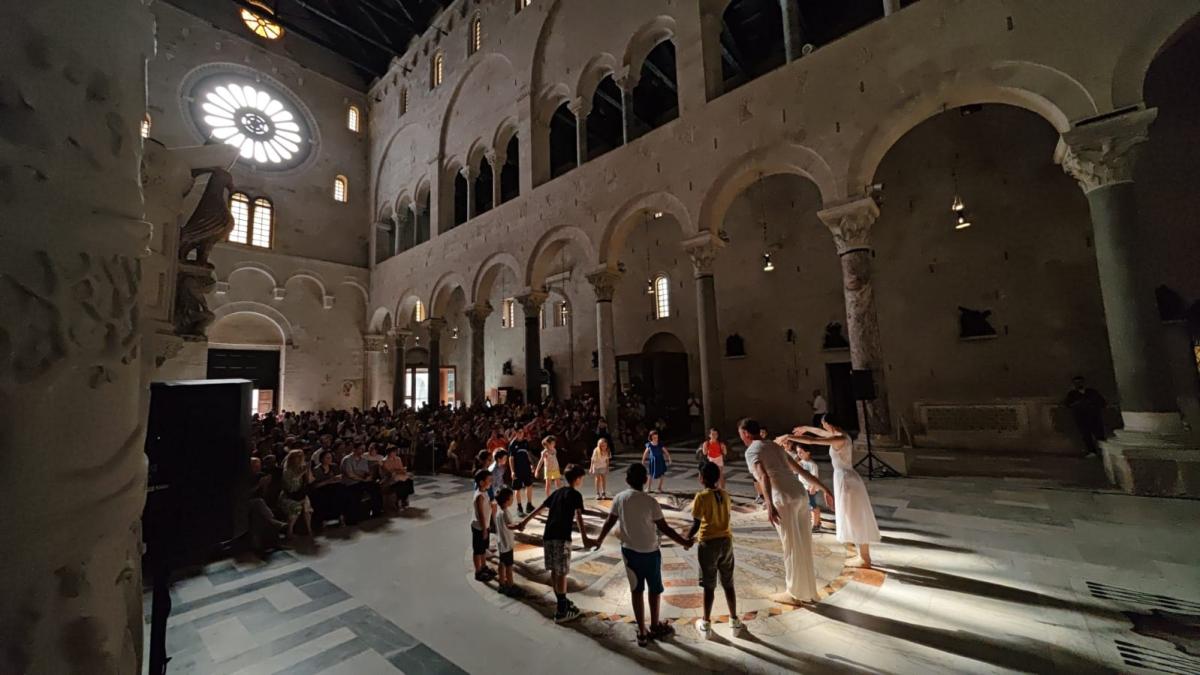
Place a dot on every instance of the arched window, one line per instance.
(260, 232)
(476, 35)
(521, 4)
(439, 69)
(508, 313)
(146, 125)
(341, 189)
(239, 206)
(353, 121)
(419, 312)
(662, 297)
(563, 313)
(403, 100)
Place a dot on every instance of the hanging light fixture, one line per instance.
(957, 207)
(649, 276)
(768, 264)
(454, 333)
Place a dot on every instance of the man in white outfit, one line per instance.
(787, 509)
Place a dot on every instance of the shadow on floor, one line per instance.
(928, 545)
(988, 589)
(1014, 653)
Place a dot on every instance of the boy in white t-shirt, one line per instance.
(504, 544)
(642, 520)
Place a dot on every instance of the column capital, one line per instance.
(1103, 152)
(580, 107)
(532, 301)
(604, 283)
(477, 315)
(374, 342)
(627, 82)
(850, 223)
(703, 250)
(399, 337)
(469, 172)
(435, 325)
(490, 156)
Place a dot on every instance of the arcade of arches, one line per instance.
(712, 208)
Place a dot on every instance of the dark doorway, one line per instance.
(659, 377)
(260, 366)
(842, 406)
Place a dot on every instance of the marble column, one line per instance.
(469, 174)
(531, 304)
(703, 251)
(435, 325)
(477, 317)
(73, 395)
(890, 7)
(793, 36)
(375, 368)
(850, 223)
(497, 161)
(604, 284)
(400, 359)
(581, 107)
(626, 84)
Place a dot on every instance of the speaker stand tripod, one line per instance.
(876, 468)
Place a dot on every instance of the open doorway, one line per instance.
(260, 366)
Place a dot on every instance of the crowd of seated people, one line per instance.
(315, 467)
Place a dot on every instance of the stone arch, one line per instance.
(663, 342)
(420, 154)
(266, 311)
(657, 30)
(251, 266)
(381, 320)
(1129, 74)
(443, 290)
(476, 153)
(539, 48)
(628, 216)
(739, 174)
(598, 68)
(402, 317)
(549, 246)
(489, 271)
(488, 60)
(507, 128)
(310, 276)
(549, 99)
(356, 284)
(1056, 96)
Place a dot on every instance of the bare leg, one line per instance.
(291, 525)
(639, 612)
(710, 594)
(730, 599)
(864, 551)
(654, 597)
(816, 517)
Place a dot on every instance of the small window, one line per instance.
(561, 316)
(662, 297)
(353, 121)
(341, 190)
(239, 206)
(146, 125)
(439, 68)
(476, 35)
(508, 313)
(419, 312)
(261, 22)
(260, 233)
(542, 317)
(403, 100)
(522, 4)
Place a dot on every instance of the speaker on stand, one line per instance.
(862, 385)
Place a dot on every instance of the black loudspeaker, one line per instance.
(198, 447)
(862, 383)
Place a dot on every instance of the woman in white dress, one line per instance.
(855, 518)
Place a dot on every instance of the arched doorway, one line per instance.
(657, 378)
(245, 345)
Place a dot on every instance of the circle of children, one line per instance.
(786, 479)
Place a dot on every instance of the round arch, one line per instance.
(1129, 75)
(627, 216)
(1054, 95)
(663, 342)
(741, 173)
(489, 271)
(486, 60)
(443, 290)
(266, 311)
(381, 321)
(422, 138)
(644, 40)
(548, 247)
(507, 128)
(250, 266)
(310, 276)
(598, 68)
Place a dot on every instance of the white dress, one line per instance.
(854, 517)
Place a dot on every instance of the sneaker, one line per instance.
(736, 624)
(704, 628)
(520, 508)
(569, 614)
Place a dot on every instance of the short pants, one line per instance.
(506, 558)
(522, 482)
(815, 501)
(478, 542)
(716, 559)
(643, 569)
(557, 555)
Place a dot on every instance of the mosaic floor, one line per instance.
(976, 575)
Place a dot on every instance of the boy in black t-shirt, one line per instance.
(521, 465)
(565, 506)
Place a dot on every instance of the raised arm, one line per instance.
(803, 473)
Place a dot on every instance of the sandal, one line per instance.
(643, 640)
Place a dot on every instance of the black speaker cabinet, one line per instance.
(198, 447)
(862, 383)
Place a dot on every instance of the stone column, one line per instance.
(581, 108)
(477, 316)
(793, 37)
(435, 325)
(469, 174)
(703, 251)
(400, 359)
(626, 85)
(850, 223)
(531, 304)
(604, 283)
(497, 160)
(890, 7)
(374, 369)
(72, 398)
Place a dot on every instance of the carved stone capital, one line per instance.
(469, 173)
(580, 107)
(435, 325)
(490, 156)
(850, 223)
(374, 343)
(477, 315)
(604, 283)
(532, 301)
(703, 250)
(1104, 152)
(399, 338)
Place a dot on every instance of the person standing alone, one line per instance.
(1087, 409)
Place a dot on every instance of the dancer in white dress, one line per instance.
(787, 509)
(855, 518)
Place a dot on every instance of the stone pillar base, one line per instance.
(1153, 465)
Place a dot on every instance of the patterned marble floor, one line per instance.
(977, 575)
